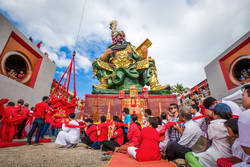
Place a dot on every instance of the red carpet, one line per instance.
(14, 144)
(123, 160)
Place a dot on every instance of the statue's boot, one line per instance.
(155, 85)
(103, 84)
(158, 86)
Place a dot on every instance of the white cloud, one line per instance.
(83, 62)
(186, 35)
(58, 57)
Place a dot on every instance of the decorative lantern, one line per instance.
(121, 94)
(133, 92)
(145, 93)
(133, 102)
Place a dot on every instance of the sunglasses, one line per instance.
(171, 108)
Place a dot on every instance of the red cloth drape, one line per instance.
(224, 162)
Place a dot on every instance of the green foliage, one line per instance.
(178, 89)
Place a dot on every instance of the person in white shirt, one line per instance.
(236, 110)
(202, 123)
(69, 136)
(244, 124)
(173, 134)
(164, 118)
(238, 154)
(190, 135)
(217, 134)
(164, 142)
(147, 114)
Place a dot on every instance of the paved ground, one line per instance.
(48, 155)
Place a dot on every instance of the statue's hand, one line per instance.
(106, 53)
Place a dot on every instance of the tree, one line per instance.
(179, 89)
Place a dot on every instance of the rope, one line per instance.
(81, 19)
(72, 63)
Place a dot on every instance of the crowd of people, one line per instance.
(19, 120)
(210, 134)
(214, 133)
(15, 74)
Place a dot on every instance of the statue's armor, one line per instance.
(122, 59)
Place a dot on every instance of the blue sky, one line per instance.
(85, 79)
(93, 49)
(186, 34)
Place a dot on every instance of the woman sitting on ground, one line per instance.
(149, 149)
(134, 135)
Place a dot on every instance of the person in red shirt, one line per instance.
(90, 134)
(117, 138)
(39, 114)
(102, 132)
(39, 44)
(149, 146)
(24, 111)
(20, 75)
(2, 102)
(47, 121)
(8, 129)
(134, 132)
(133, 135)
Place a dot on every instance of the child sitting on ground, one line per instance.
(102, 132)
(238, 155)
(90, 134)
(134, 135)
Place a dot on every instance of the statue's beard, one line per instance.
(120, 41)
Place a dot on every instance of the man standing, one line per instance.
(22, 110)
(19, 111)
(39, 114)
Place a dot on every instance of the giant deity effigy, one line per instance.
(123, 65)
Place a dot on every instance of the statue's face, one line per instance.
(118, 39)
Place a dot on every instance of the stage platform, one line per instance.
(100, 104)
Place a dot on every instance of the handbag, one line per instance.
(201, 144)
